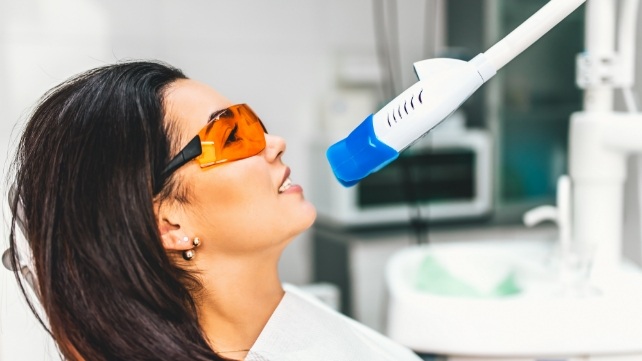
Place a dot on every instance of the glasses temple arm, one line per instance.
(192, 150)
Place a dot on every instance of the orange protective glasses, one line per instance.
(231, 134)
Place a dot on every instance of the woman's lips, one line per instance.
(287, 186)
(293, 188)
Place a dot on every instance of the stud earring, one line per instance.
(189, 254)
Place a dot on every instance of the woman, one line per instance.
(156, 211)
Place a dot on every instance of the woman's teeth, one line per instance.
(285, 185)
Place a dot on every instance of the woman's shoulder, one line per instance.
(304, 328)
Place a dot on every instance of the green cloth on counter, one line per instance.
(434, 278)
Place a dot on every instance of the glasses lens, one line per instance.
(236, 134)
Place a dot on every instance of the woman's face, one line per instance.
(234, 207)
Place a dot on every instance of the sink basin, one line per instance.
(536, 321)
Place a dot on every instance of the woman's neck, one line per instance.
(239, 296)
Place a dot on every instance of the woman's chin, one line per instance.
(302, 220)
(310, 214)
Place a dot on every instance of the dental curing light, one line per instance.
(444, 84)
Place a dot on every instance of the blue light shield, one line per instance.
(359, 154)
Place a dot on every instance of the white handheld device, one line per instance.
(444, 84)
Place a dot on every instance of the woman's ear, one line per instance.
(173, 237)
(172, 234)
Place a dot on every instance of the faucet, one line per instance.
(574, 259)
(559, 214)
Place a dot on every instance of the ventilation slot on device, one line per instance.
(396, 113)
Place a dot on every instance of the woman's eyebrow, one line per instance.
(216, 114)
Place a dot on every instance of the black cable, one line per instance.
(381, 40)
(409, 182)
(431, 29)
(389, 52)
(394, 50)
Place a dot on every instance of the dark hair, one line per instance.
(86, 168)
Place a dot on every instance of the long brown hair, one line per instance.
(85, 171)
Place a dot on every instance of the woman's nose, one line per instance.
(274, 147)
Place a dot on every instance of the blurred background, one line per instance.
(313, 70)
